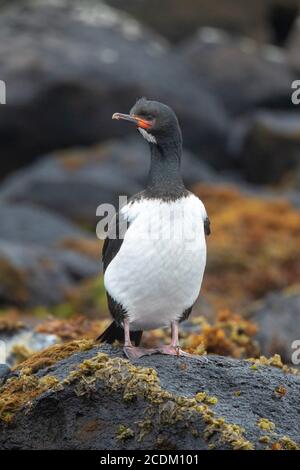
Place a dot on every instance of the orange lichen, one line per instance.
(230, 335)
(10, 321)
(280, 391)
(75, 159)
(73, 328)
(285, 443)
(83, 246)
(254, 246)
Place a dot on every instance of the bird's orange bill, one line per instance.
(143, 123)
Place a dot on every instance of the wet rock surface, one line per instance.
(98, 400)
(278, 319)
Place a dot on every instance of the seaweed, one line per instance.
(52, 355)
(20, 391)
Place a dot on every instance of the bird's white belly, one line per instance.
(158, 271)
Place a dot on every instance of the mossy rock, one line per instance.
(97, 399)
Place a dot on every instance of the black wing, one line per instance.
(112, 244)
(114, 239)
(207, 229)
(115, 235)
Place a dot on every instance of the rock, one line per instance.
(278, 319)
(75, 182)
(293, 46)
(258, 18)
(270, 148)
(42, 255)
(242, 74)
(71, 65)
(32, 275)
(21, 345)
(254, 248)
(4, 373)
(163, 403)
(32, 225)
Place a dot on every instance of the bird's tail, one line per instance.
(115, 332)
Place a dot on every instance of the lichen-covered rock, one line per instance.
(96, 399)
(4, 373)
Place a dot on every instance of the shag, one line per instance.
(153, 268)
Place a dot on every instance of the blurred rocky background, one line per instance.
(227, 69)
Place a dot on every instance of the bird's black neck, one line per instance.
(164, 178)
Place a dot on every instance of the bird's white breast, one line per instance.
(158, 271)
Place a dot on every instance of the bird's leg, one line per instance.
(133, 352)
(173, 349)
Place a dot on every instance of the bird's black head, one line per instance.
(156, 121)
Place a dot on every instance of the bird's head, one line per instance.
(156, 121)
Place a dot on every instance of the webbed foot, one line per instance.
(134, 352)
(176, 351)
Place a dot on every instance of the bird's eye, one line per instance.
(147, 116)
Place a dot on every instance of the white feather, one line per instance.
(158, 271)
(149, 137)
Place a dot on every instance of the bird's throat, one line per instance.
(164, 175)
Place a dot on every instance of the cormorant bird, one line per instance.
(153, 270)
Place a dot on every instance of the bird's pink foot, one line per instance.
(176, 351)
(134, 352)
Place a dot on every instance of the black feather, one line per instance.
(116, 333)
(207, 229)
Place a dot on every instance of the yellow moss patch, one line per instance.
(204, 398)
(274, 361)
(53, 354)
(124, 433)
(264, 439)
(164, 408)
(285, 443)
(265, 424)
(251, 251)
(21, 353)
(20, 391)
